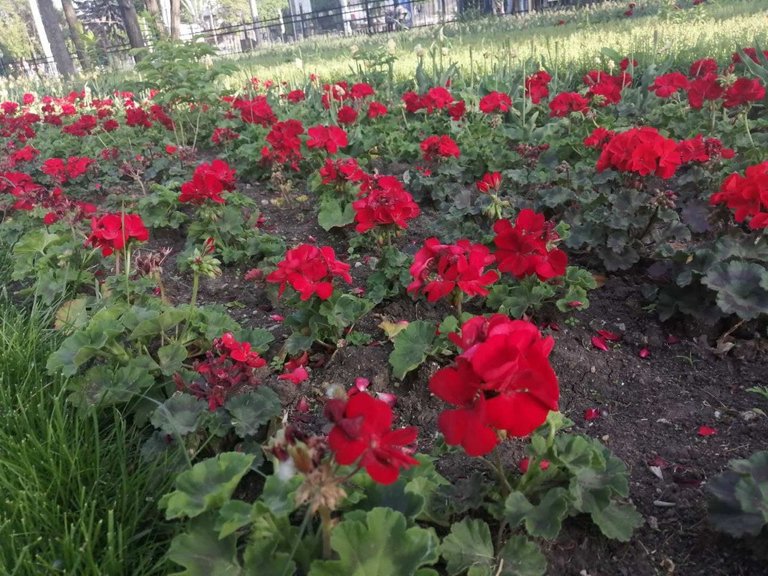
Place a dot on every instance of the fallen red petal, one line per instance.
(599, 343)
(277, 317)
(591, 414)
(706, 431)
(644, 353)
(302, 405)
(672, 339)
(297, 376)
(390, 399)
(610, 336)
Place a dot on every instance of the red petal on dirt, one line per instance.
(591, 414)
(302, 405)
(610, 336)
(276, 317)
(599, 343)
(672, 339)
(644, 353)
(362, 384)
(390, 399)
(706, 431)
(659, 462)
(554, 326)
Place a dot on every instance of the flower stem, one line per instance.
(127, 273)
(458, 298)
(506, 487)
(195, 288)
(325, 526)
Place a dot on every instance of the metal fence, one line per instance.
(345, 18)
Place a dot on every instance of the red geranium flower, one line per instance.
(347, 115)
(704, 88)
(295, 96)
(208, 182)
(598, 138)
(329, 138)
(537, 86)
(310, 270)
(567, 102)
(376, 109)
(386, 204)
(285, 142)
(528, 247)
(439, 269)
(361, 90)
(435, 147)
(641, 150)
(241, 351)
(112, 232)
(502, 381)
(667, 84)
(489, 181)
(255, 111)
(362, 433)
(744, 91)
(746, 195)
(703, 67)
(495, 102)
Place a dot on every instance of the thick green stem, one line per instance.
(127, 274)
(326, 528)
(746, 125)
(505, 486)
(195, 288)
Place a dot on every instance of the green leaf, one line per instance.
(468, 547)
(179, 415)
(740, 288)
(279, 496)
(521, 557)
(545, 519)
(411, 347)
(335, 213)
(171, 357)
(252, 410)
(379, 546)
(617, 521)
(516, 507)
(259, 338)
(207, 485)
(393, 496)
(202, 553)
(234, 515)
(725, 510)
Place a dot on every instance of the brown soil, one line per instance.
(649, 407)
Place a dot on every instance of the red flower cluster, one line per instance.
(295, 96)
(64, 170)
(567, 102)
(495, 102)
(439, 269)
(341, 171)
(255, 111)
(641, 150)
(501, 381)
(376, 109)
(208, 182)
(386, 203)
(362, 433)
(437, 98)
(537, 86)
(702, 150)
(285, 142)
(227, 370)
(528, 247)
(667, 84)
(310, 270)
(598, 138)
(746, 195)
(435, 147)
(489, 181)
(328, 138)
(346, 115)
(604, 88)
(222, 135)
(743, 91)
(112, 232)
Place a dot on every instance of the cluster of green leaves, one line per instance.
(126, 354)
(738, 498)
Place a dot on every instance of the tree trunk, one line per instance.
(75, 33)
(157, 20)
(175, 19)
(131, 23)
(50, 19)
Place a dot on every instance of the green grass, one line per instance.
(75, 498)
(493, 51)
